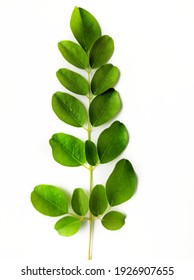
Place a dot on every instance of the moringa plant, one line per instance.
(91, 54)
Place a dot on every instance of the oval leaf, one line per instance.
(112, 141)
(104, 78)
(74, 54)
(121, 183)
(80, 202)
(113, 220)
(85, 28)
(98, 200)
(91, 153)
(68, 226)
(67, 149)
(104, 107)
(49, 200)
(101, 51)
(73, 81)
(69, 109)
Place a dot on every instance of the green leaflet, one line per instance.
(84, 27)
(73, 81)
(67, 149)
(68, 226)
(121, 183)
(49, 200)
(113, 220)
(98, 200)
(104, 107)
(104, 78)
(69, 109)
(74, 54)
(101, 51)
(91, 153)
(112, 142)
(80, 202)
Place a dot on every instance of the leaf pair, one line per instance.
(99, 55)
(72, 111)
(68, 150)
(111, 143)
(120, 187)
(52, 201)
(113, 220)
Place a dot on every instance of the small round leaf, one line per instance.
(74, 54)
(113, 220)
(49, 200)
(122, 183)
(104, 78)
(112, 142)
(98, 200)
(68, 226)
(67, 149)
(73, 81)
(80, 202)
(91, 153)
(69, 109)
(101, 51)
(104, 107)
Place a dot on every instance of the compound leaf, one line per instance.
(69, 109)
(113, 220)
(74, 54)
(112, 141)
(98, 200)
(101, 51)
(91, 153)
(68, 226)
(121, 183)
(73, 81)
(67, 149)
(104, 78)
(104, 107)
(84, 27)
(80, 202)
(49, 200)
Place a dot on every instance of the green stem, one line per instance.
(91, 220)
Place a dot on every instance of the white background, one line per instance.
(154, 50)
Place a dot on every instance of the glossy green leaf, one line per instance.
(112, 142)
(49, 200)
(101, 51)
(91, 153)
(69, 109)
(104, 78)
(80, 202)
(98, 200)
(74, 54)
(85, 28)
(113, 220)
(121, 183)
(73, 81)
(67, 149)
(68, 226)
(104, 107)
